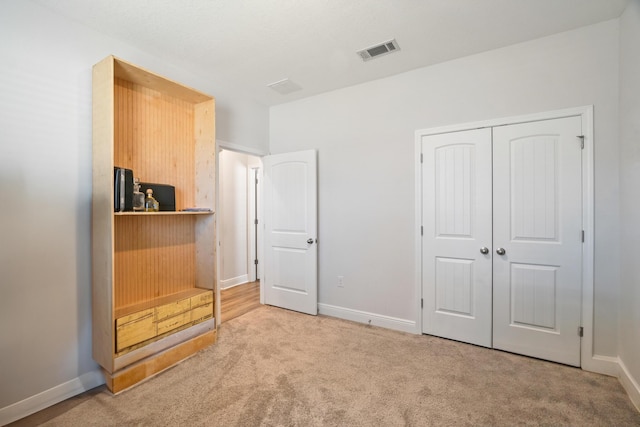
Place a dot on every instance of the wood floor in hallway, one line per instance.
(239, 300)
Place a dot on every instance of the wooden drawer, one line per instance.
(172, 309)
(135, 328)
(147, 324)
(173, 322)
(202, 313)
(202, 299)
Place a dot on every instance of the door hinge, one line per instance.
(255, 261)
(421, 302)
(580, 331)
(582, 236)
(581, 141)
(421, 230)
(255, 222)
(420, 157)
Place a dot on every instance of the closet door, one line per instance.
(537, 226)
(456, 243)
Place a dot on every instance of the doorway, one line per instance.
(503, 217)
(238, 234)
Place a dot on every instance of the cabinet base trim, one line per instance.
(153, 365)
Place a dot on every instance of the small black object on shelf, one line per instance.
(122, 189)
(163, 193)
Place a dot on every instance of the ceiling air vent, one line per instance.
(284, 86)
(379, 50)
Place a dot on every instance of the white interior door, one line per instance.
(456, 257)
(290, 215)
(537, 213)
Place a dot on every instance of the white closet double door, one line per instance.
(502, 238)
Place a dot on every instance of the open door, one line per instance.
(290, 215)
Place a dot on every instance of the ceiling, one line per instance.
(248, 44)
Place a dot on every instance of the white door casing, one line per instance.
(456, 183)
(537, 220)
(290, 218)
(541, 183)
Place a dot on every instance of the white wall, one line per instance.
(45, 190)
(233, 217)
(630, 193)
(365, 140)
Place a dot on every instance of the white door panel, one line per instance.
(456, 179)
(538, 222)
(290, 214)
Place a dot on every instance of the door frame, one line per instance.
(587, 359)
(228, 146)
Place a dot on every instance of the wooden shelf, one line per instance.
(163, 213)
(165, 133)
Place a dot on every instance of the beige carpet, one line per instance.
(273, 367)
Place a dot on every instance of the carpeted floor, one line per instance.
(273, 367)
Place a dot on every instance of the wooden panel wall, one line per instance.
(154, 136)
(154, 256)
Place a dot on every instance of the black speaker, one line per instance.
(163, 193)
(122, 189)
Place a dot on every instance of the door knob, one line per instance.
(310, 241)
(501, 251)
(484, 250)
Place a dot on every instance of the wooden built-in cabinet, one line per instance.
(153, 273)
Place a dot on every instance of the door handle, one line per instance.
(501, 251)
(310, 241)
(484, 250)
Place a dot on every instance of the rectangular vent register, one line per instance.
(381, 49)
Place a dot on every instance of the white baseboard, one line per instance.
(50, 397)
(368, 318)
(606, 365)
(630, 384)
(234, 281)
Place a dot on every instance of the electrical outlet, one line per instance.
(341, 281)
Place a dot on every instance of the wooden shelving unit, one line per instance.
(153, 273)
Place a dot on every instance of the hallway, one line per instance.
(239, 300)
